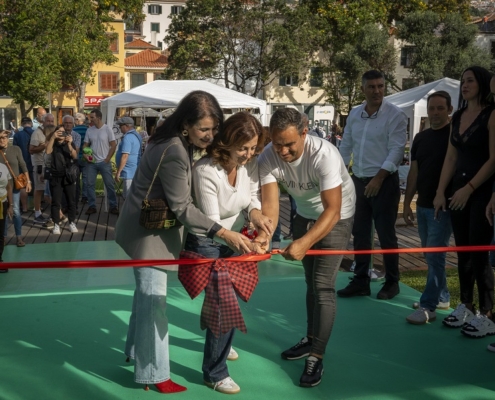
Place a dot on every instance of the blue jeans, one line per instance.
(105, 169)
(16, 197)
(434, 233)
(147, 337)
(216, 349)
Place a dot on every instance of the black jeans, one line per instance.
(58, 187)
(320, 274)
(382, 209)
(471, 228)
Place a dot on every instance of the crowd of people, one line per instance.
(210, 171)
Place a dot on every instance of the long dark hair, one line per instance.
(192, 108)
(483, 77)
(240, 128)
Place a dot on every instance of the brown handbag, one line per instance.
(20, 181)
(155, 213)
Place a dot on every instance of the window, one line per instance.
(7, 115)
(176, 10)
(137, 80)
(408, 83)
(108, 81)
(160, 45)
(406, 55)
(288, 80)
(316, 77)
(114, 42)
(155, 27)
(154, 9)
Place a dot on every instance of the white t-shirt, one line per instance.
(37, 138)
(99, 141)
(220, 201)
(4, 179)
(319, 168)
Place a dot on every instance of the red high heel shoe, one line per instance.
(168, 387)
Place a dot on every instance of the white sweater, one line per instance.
(220, 201)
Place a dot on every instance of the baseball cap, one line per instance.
(125, 121)
(25, 120)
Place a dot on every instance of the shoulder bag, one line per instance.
(20, 181)
(155, 213)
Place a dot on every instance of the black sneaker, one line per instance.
(114, 211)
(40, 219)
(388, 291)
(299, 350)
(91, 210)
(354, 289)
(313, 371)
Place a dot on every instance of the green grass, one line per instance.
(417, 280)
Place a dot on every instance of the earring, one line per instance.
(185, 132)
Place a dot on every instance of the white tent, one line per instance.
(164, 94)
(413, 101)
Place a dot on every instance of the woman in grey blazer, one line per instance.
(184, 136)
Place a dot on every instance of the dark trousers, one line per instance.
(2, 227)
(57, 189)
(293, 212)
(216, 349)
(382, 210)
(320, 273)
(471, 228)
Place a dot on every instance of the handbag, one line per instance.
(155, 213)
(72, 173)
(20, 181)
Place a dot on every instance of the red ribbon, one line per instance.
(257, 258)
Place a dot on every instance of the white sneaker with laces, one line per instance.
(73, 228)
(421, 316)
(227, 386)
(460, 316)
(479, 327)
(232, 355)
(56, 229)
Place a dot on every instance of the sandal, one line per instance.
(20, 243)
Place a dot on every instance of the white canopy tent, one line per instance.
(413, 101)
(164, 94)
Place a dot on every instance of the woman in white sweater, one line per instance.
(225, 183)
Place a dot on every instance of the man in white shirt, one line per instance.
(101, 140)
(312, 171)
(375, 135)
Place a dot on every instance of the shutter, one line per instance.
(159, 9)
(149, 9)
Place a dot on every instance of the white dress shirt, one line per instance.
(376, 141)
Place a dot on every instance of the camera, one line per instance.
(48, 174)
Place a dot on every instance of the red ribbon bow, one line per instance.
(223, 279)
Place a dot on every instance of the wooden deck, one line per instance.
(101, 227)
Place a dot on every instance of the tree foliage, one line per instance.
(48, 43)
(372, 50)
(244, 44)
(443, 47)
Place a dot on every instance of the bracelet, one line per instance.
(472, 187)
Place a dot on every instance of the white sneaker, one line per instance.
(460, 316)
(227, 386)
(421, 316)
(232, 355)
(491, 347)
(440, 306)
(56, 229)
(73, 228)
(479, 327)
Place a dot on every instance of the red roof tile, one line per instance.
(140, 44)
(147, 59)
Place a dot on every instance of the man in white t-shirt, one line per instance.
(101, 139)
(312, 171)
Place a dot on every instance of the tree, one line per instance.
(372, 50)
(443, 47)
(44, 49)
(244, 44)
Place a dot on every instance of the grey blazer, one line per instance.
(173, 183)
